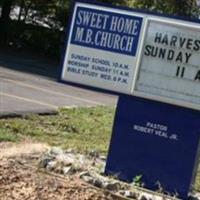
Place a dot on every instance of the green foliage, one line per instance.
(39, 39)
(55, 15)
(158, 5)
(28, 31)
(137, 181)
(5, 136)
(174, 7)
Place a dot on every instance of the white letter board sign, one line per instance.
(102, 47)
(170, 65)
(134, 53)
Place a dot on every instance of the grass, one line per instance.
(83, 129)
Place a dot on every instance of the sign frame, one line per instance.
(69, 37)
(152, 16)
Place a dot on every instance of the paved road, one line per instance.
(29, 85)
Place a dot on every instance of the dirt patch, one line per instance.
(20, 179)
(23, 149)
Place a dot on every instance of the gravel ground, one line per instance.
(20, 179)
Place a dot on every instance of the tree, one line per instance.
(182, 7)
(175, 7)
(6, 8)
(5, 18)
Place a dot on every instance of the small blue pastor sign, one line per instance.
(156, 141)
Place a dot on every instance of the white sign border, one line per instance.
(102, 7)
(155, 97)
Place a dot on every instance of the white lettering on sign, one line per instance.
(157, 130)
(170, 65)
(100, 21)
(91, 19)
(123, 25)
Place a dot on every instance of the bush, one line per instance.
(39, 39)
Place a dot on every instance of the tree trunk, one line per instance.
(6, 8)
(5, 18)
(21, 9)
(26, 10)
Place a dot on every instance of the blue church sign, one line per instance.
(157, 141)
